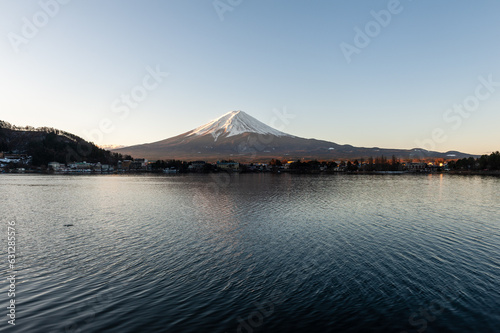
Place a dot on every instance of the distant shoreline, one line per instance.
(454, 172)
(475, 172)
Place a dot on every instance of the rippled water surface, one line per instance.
(253, 253)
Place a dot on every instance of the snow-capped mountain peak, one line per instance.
(235, 123)
(238, 136)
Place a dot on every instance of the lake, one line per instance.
(252, 253)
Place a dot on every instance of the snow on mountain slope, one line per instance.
(236, 135)
(235, 123)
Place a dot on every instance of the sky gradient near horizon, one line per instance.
(368, 73)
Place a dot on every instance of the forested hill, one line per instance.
(46, 144)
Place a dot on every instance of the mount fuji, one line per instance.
(239, 136)
(235, 123)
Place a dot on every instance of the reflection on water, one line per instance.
(259, 252)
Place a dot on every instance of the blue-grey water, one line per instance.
(253, 253)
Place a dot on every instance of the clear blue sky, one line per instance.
(261, 56)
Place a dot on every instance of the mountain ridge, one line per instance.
(48, 144)
(237, 135)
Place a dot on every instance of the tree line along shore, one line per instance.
(486, 164)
